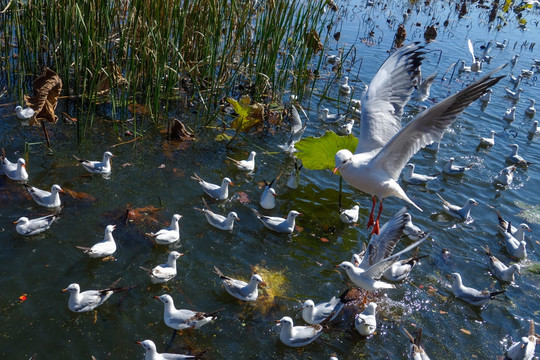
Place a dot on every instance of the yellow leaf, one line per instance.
(465, 331)
(248, 115)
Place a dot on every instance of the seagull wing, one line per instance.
(428, 126)
(471, 50)
(387, 94)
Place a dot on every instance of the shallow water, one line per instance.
(41, 266)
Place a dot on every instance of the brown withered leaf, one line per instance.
(143, 214)
(337, 35)
(138, 109)
(179, 131)
(430, 34)
(243, 198)
(79, 195)
(401, 35)
(47, 89)
(109, 78)
(314, 41)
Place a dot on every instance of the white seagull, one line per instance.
(515, 158)
(515, 247)
(531, 111)
(488, 141)
(514, 95)
(268, 196)
(471, 295)
(279, 224)
(168, 235)
(345, 88)
(45, 198)
(97, 167)
(410, 230)
(297, 130)
(476, 64)
(451, 169)
(24, 114)
(423, 90)
(326, 117)
(241, 289)
(215, 191)
(510, 114)
(219, 221)
(88, 300)
(105, 247)
(524, 349)
(534, 129)
(514, 60)
(460, 212)
(506, 175)
(518, 233)
(501, 45)
(14, 171)
(317, 313)
(152, 354)
(346, 128)
(486, 97)
(365, 322)
(385, 147)
(350, 216)
(294, 176)
(245, 165)
(29, 227)
(297, 336)
(499, 269)
(164, 272)
(416, 350)
(181, 319)
(413, 178)
(401, 269)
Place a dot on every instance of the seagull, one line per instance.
(317, 313)
(401, 269)
(181, 319)
(451, 169)
(527, 73)
(268, 197)
(456, 211)
(346, 128)
(531, 111)
(514, 95)
(516, 80)
(486, 97)
(367, 279)
(219, 221)
(326, 117)
(423, 90)
(29, 227)
(470, 295)
(514, 60)
(152, 354)
(488, 141)
(279, 224)
(384, 147)
(350, 216)
(335, 59)
(515, 247)
(24, 114)
(97, 167)
(164, 272)
(462, 68)
(241, 289)
(14, 171)
(88, 300)
(168, 235)
(45, 198)
(294, 176)
(245, 165)
(410, 230)
(475, 65)
(411, 177)
(515, 158)
(506, 175)
(297, 130)
(518, 233)
(502, 45)
(106, 247)
(365, 322)
(215, 191)
(297, 336)
(510, 114)
(499, 269)
(416, 351)
(534, 129)
(524, 349)
(345, 88)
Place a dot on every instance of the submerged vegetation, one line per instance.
(154, 53)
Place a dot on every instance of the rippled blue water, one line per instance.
(41, 266)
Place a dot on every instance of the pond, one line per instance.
(151, 178)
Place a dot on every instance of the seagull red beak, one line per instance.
(336, 169)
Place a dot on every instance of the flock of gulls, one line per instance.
(384, 150)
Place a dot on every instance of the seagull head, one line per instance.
(233, 215)
(308, 304)
(57, 189)
(176, 217)
(227, 181)
(293, 214)
(257, 278)
(165, 298)
(72, 288)
(343, 158)
(525, 227)
(173, 255)
(21, 162)
(148, 345)
(456, 278)
(18, 108)
(472, 202)
(356, 259)
(516, 268)
(21, 221)
(110, 228)
(286, 321)
(108, 154)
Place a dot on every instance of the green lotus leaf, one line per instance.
(318, 153)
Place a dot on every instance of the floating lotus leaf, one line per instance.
(319, 153)
(47, 88)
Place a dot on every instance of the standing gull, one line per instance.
(218, 192)
(97, 167)
(385, 147)
(29, 227)
(45, 198)
(460, 212)
(168, 235)
(471, 295)
(241, 289)
(181, 319)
